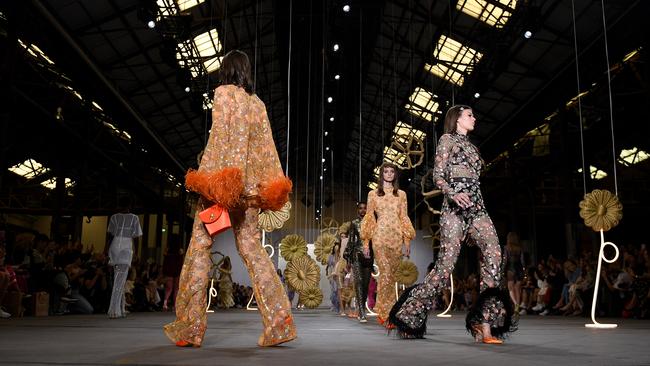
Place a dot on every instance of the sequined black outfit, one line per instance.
(361, 267)
(457, 168)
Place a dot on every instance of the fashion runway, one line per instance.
(323, 339)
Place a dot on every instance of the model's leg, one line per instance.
(491, 306)
(169, 283)
(356, 273)
(411, 314)
(116, 307)
(364, 283)
(191, 300)
(387, 257)
(272, 300)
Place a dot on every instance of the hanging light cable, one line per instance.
(286, 168)
(582, 139)
(611, 108)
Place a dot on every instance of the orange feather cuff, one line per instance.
(223, 187)
(275, 193)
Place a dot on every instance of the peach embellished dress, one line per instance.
(388, 232)
(241, 140)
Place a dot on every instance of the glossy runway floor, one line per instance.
(324, 339)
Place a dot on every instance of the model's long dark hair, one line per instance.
(236, 70)
(451, 118)
(380, 180)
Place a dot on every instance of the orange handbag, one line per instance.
(216, 219)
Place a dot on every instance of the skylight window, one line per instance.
(393, 156)
(199, 54)
(29, 168)
(376, 172)
(173, 7)
(117, 132)
(35, 52)
(454, 61)
(213, 64)
(595, 172)
(208, 43)
(423, 104)
(51, 183)
(187, 4)
(207, 104)
(632, 156)
(495, 13)
(403, 130)
(96, 105)
(72, 91)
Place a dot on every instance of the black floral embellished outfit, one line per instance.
(457, 168)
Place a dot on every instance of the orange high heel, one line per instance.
(492, 340)
(183, 343)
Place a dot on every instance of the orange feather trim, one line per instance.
(198, 182)
(223, 187)
(275, 193)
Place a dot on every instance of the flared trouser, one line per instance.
(191, 301)
(361, 275)
(455, 228)
(117, 307)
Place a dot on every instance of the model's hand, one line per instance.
(366, 251)
(462, 199)
(407, 249)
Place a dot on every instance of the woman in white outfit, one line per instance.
(122, 227)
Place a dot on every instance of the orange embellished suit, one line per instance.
(240, 170)
(388, 232)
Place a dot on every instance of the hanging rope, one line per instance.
(359, 198)
(394, 69)
(611, 108)
(257, 15)
(582, 139)
(286, 168)
(451, 26)
(311, 20)
(322, 117)
(381, 83)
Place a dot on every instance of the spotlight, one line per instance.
(346, 8)
(336, 47)
(331, 119)
(330, 99)
(337, 76)
(528, 34)
(323, 160)
(325, 133)
(327, 148)
(187, 89)
(477, 95)
(151, 24)
(321, 177)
